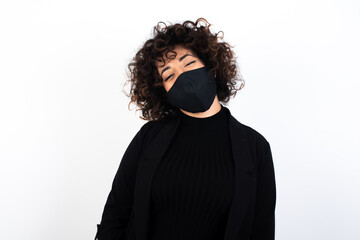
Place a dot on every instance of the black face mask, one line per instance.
(193, 91)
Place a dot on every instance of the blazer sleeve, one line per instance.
(119, 202)
(264, 218)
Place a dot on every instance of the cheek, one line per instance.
(168, 85)
(199, 64)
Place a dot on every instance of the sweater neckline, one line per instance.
(210, 123)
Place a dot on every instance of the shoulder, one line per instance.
(152, 125)
(259, 146)
(149, 129)
(254, 138)
(254, 135)
(258, 143)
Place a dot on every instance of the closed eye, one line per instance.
(168, 77)
(185, 66)
(190, 63)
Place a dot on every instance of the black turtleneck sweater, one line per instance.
(193, 185)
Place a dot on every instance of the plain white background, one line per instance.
(64, 122)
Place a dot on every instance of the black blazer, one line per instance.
(252, 212)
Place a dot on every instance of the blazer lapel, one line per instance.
(244, 180)
(146, 169)
(153, 153)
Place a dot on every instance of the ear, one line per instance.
(215, 75)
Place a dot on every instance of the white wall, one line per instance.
(64, 123)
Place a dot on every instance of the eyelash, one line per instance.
(185, 66)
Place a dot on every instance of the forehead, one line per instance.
(179, 51)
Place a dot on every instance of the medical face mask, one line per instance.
(193, 91)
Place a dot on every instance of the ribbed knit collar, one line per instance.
(217, 121)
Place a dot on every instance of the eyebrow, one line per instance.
(180, 59)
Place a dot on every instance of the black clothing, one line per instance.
(126, 214)
(193, 186)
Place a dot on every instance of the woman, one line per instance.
(192, 171)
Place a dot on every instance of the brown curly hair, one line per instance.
(147, 89)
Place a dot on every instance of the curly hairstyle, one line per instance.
(147, 90)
